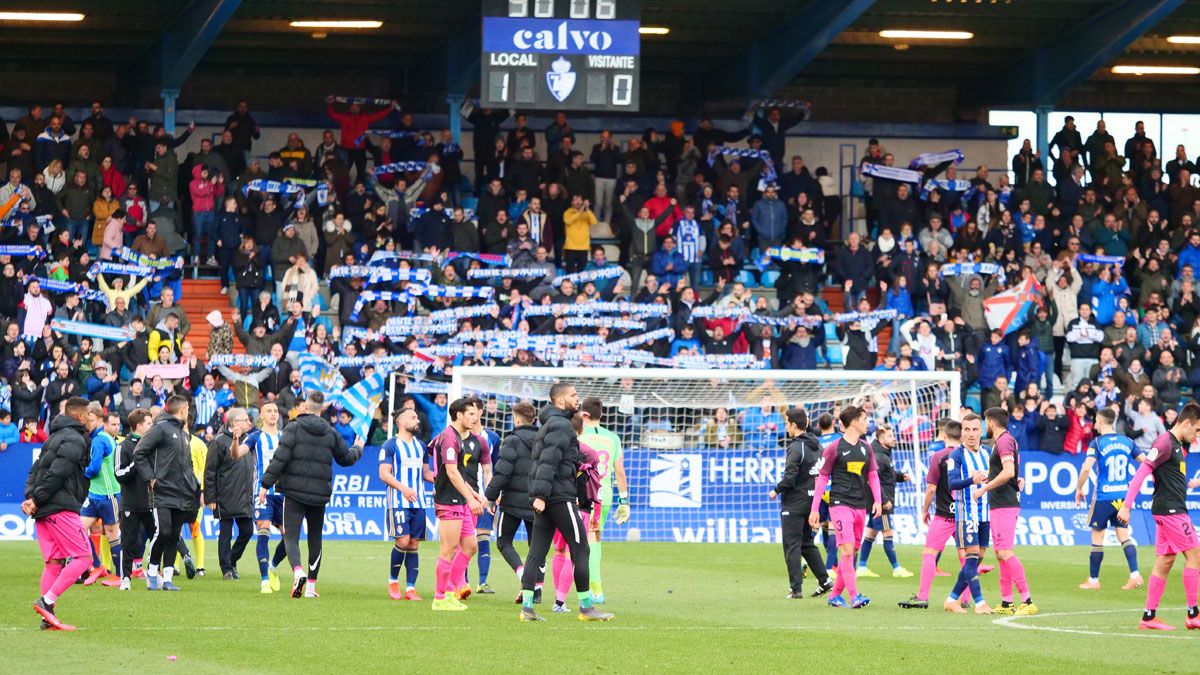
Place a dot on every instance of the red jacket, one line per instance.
(1079, 434)
(354, 126)
(202, 192)
(658, 206)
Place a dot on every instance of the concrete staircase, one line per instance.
(201, 296)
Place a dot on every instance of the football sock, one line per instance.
(280, 554)
(526, 596)
(458, 570)
(262, 550)
(1094, 561)
(830, 547)
(1006, 594)
(1191, 586)
(1155, 586)
(442, 582)
(95, 539)
(889, 549)
(485, 559)
(928, 567)
(556, 566)
(585, 599)
(413, 563)
(168, 574)
(115, 550)
(50, 574)
(69, 575)
(594, 562)
(968, 572)
(397, 561)
(1018, 577)
(564, 579)
(1130, 555)
(865, 551)
(846, 569)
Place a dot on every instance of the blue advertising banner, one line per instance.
(698, 495)
(561, 36)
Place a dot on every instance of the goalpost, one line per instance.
(696, 478)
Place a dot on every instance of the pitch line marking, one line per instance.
(1012, 622)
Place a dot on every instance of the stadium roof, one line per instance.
(1023, 52)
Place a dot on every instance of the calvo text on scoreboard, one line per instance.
(569, 54)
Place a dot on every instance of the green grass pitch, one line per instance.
(681, 608)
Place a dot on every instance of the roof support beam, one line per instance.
(766, 66)
(452, 68)
(1043, 76)
(188, 37)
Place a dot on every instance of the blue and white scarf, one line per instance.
(944, 185)
(131, 256)
(385, 133)
(375, 275)
(768, 103)
(768, 172)
(892, 173)
(23, 251)
(580, 278)
(511, 273)
(1099, 259)
(93, 330)
(636, 309)
(372, 296)
(956, 269)
(271, 186)
(935, 158)
(362, 100)
(458, 292)
(813, 256)
(636, 340)
(56, 286)
(399, 167)
(456, 313)
(242, 361)
(608, 322)
(105, 267)
(865, 317)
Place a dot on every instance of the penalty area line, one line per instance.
(1017, 622)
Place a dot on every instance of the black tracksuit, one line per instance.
(56, 482)
(795, 490)
(510, 486)
(164, 456)
(229, 486)
(303, 470)
(556, 460)
(137, 525)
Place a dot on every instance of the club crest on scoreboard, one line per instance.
(561, 79)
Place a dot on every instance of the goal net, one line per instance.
(702, 448)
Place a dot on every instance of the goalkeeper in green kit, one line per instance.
(608, 445)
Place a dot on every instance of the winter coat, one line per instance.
(1029, 366)
(303, 463)
(556, 458)
(164, 455)
(135, 493)
(994, 361)
(164, 180)
(229, 482)
(1066, 300)
(202, 191)
(56, 482)
(512, 473)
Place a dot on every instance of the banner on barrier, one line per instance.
(696, 495)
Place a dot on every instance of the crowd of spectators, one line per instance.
(664, 218)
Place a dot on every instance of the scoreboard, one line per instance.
(561, 54)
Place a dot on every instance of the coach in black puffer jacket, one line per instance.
(303, 462)
(228, 482)
(165, 457)
(556, 458)
(511, 475)
(56, 482)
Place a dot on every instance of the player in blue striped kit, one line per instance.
(968, 468)
(403, 469)
(263, 442)
(689, 240)
(1114, 457)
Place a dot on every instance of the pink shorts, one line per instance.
(459, 512)
(61, 536)
(848, 522)
(1004, 527)
(1174, 534)
(940, 531)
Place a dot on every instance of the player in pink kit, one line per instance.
(1003, 490)
(849, 469)
(54, 494)
(1174, 531)
(456, 503)
(941, 523)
